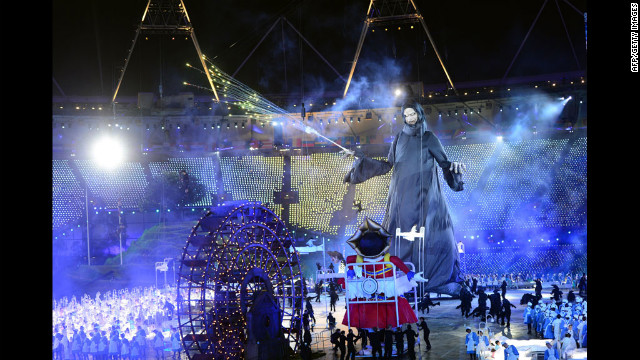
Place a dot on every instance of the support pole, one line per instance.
(324, 268)
(120, 247)
(568, 37)
(197, 46)
(523, 41)
(433, 45)
(126, 62)
(255, 47)
(363, 34)
(204, 65)
(180, 28)
(314, 49)
(86, 204)
(370, 20)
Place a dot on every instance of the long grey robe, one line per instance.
(415, 198)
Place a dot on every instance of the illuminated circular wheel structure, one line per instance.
(229, 265)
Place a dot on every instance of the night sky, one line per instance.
(476, 39)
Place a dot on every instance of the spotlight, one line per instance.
(398, 92)
(499, 138)
(108, 152)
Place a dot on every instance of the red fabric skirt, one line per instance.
(367, 316)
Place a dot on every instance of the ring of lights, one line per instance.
(227, 261)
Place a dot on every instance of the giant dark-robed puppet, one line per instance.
(415, 198)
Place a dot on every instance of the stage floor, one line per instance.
(447, 329)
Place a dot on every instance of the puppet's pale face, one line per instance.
(410, 116)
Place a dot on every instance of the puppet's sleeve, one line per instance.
(399, 264)
(351, 259)
(365, 168)
(435, 148)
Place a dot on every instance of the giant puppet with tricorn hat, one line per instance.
(372, 289)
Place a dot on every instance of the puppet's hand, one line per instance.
(346, 153)
(418, 277)
(457, 167)
(410, 275)
(357, 153)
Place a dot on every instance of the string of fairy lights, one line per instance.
(235, 93)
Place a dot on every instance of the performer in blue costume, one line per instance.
(547, 326)
(482, 347)
(551, 353)
(510, 352)
(528, 317)
(470, 342)
(416, 198)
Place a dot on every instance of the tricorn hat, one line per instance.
(370, 240)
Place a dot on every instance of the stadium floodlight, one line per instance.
(108, 152)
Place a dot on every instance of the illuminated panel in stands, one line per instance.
(568, 195)
(67, 196)
(201, 168)
(516, 191)
(126, 182)
(475, 157)
(253, 178)
(318, 178)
